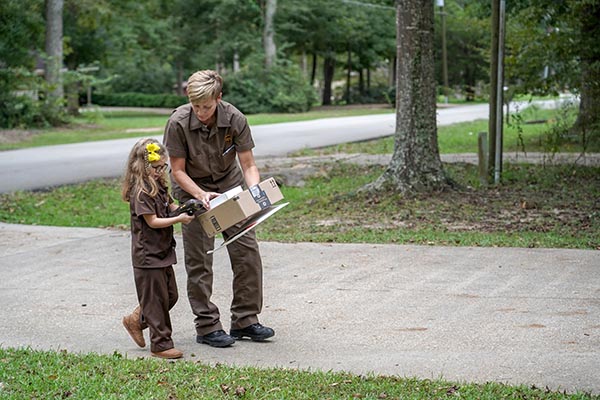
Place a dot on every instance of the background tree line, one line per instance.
(324, 51)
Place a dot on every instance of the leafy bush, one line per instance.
(373, 95)
(283, 89)
(141, 75)
(138, 100)
(22, 103)
(390, 95)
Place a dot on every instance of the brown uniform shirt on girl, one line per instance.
(151, 248)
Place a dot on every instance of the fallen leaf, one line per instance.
(240, 391)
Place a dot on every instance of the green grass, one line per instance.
(95, 203)
(553, 206)
(28, 374)
(520, 135)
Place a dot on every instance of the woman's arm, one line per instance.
(186, 183)
(249, 168)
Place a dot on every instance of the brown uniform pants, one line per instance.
(246, 265)
(157, 294)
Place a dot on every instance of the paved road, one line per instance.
(41, 167)
(518, 316)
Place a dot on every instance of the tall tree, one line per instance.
(468, 41)
(317, 27)
(86, 42)
(141, 46)
(588, 120)
(21, 35)
(269, 32)
(54, 48)
(415, 165)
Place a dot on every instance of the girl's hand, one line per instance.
(185, 218)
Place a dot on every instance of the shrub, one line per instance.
(22, 103)
(374, 95)
(283, 89)
(138, 100)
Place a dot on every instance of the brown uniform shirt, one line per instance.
(151, 248)
(210, 154)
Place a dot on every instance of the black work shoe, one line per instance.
(256, 332)
(216, 339)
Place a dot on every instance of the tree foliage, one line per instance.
(345, 48)
(552, 47)
(281, 88)
(468, 41)
(21, 32)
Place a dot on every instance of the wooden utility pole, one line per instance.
(496, 92)
(440, 4)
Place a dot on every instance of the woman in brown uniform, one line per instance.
(152, 246)
(204, 138)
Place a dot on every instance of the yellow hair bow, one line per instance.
(152, 149)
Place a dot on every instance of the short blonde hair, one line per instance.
(204, 85)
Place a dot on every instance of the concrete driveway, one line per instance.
(517, 316)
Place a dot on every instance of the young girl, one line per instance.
(152, 246)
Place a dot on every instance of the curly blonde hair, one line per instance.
(137, 178)
(204, 85)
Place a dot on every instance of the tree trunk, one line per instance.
(54, 50)
(361, 82)
(415, 165)
(394, 71)
(236, 61)
(313, 72)
(348, 75)
(588, 120)
(269, 33)
(72, 89)
(304, 63)
(328, 70)
(181, 85)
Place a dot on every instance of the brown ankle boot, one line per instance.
(133, 326)
(168, 354)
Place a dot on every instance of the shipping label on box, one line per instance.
(240, 207)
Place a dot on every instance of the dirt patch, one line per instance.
(12, 136)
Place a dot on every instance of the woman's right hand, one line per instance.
(205, 198)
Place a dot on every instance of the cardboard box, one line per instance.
(240, 206)
(225, 196)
